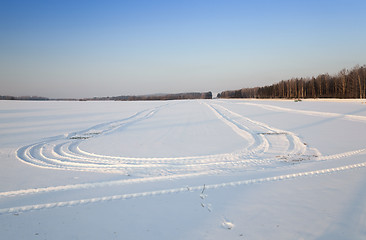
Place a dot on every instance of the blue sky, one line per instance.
(107, 48)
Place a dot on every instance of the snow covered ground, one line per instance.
(199, 169)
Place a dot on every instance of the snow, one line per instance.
(189, 169)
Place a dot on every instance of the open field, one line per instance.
(189, 169)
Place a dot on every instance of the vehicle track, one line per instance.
(264, 145)
(267, 147)
(348, 117)
(33, 207)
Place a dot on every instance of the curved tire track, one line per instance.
(265, 147)
(64, 152)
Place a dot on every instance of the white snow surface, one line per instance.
(188, 169)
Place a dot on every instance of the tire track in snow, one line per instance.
(27, 208)
(64, 152)
(119, 182)
(30, 191)
(266, 146)
(295, 146)
(256, 142)
(341, 155)
(33, 154)
(348, 117)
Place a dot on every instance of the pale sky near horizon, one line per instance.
(87, 48)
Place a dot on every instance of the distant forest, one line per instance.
(345, 84)
(33, 98)
(177, 96)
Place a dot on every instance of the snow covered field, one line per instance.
(199, 169)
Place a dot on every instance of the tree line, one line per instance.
(155, 97)
(29, 98)
(174, 96)
(346, 84)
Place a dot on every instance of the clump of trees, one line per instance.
(345, 84)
